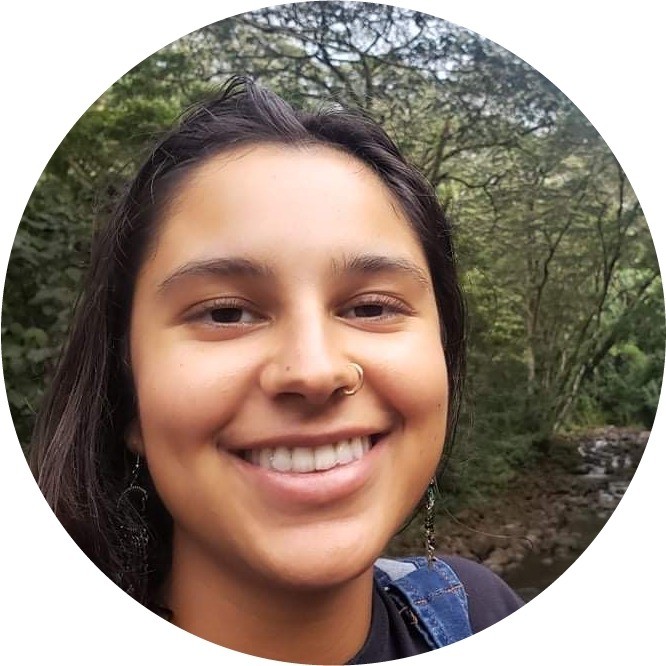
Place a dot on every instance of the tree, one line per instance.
(556, 256)
(77, 188)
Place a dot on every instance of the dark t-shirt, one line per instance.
(393, 637)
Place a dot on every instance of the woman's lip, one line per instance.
(291, 490)
(291, 441)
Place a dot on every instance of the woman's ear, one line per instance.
(134, 438)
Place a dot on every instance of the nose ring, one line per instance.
(359, 382)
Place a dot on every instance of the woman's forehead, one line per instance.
(258, 177)
(282, 204)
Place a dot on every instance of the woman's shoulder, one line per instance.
(489, 598)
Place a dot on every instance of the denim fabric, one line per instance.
(433, 598)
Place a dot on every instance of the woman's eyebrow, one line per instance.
(217, 267)
(379, 263)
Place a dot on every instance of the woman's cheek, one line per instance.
(189, 393)
(416, 370)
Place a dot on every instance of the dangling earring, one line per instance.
(429, 522)
(134, 535)
(134, 489)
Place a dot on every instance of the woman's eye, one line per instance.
(214, 314)
(379, 308)
(231, 315)
(370, 310)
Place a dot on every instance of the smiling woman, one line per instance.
(258, 388)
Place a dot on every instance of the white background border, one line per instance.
(57, 58)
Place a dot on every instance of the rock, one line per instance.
(569, 541)
(482, 546)
(499, 557)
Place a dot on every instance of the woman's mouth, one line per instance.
(303, 460)
(289, 478)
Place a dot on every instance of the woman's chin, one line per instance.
(320, 565)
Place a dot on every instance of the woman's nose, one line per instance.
(309, 362)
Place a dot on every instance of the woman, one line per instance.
(256, 392)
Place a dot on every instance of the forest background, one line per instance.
(564, 293)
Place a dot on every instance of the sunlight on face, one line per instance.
(274, 270)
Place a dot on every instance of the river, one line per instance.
(608, 459)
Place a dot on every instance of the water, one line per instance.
(536, 571)
(606, 468)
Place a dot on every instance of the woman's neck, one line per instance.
(241, 611)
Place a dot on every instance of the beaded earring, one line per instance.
(429, 522)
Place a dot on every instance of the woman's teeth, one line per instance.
(303, 460)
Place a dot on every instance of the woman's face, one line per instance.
(274, 269)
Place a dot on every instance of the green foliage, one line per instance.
(624, 389)
(630, 385)
(43, 277)
(565, 300)
(50, 251)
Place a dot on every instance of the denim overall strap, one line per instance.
(434, 597)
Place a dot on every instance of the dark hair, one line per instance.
(78, 453)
